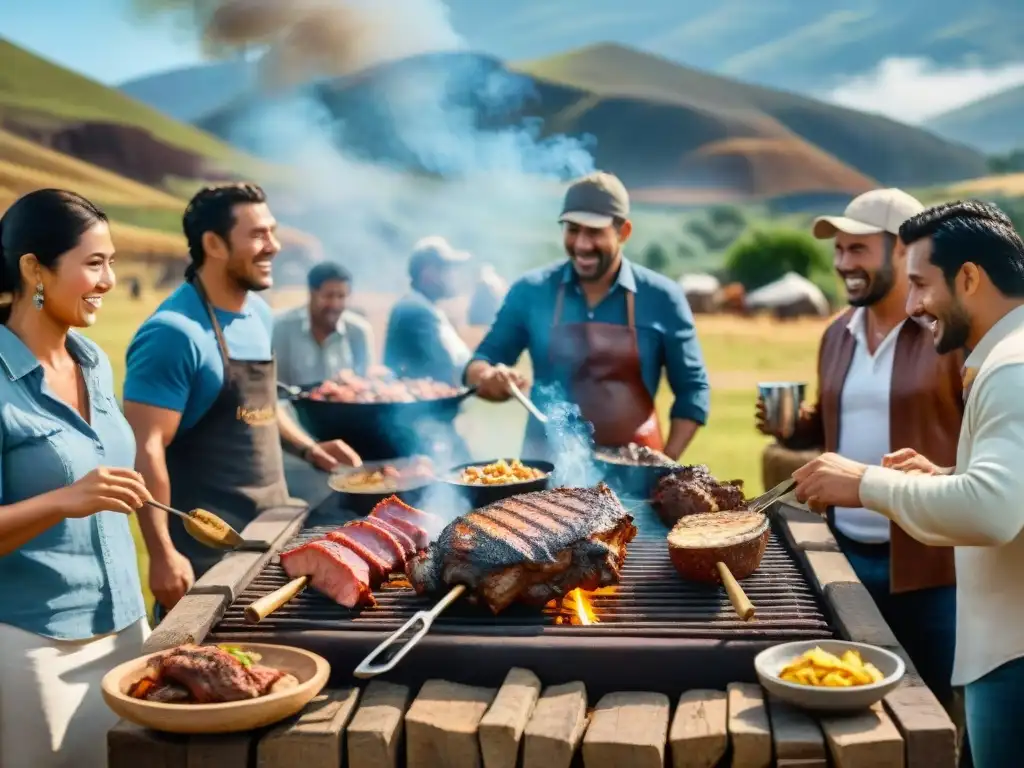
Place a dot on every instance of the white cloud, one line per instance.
(913, 90)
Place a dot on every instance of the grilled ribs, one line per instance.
(530, 548)
(693, 490)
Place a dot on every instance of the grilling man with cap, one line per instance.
(600, 331)
(421, 341)
(881, 388)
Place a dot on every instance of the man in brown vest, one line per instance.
(881, 388)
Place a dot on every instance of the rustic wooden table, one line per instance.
(523, 723)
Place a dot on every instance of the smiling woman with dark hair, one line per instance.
(71, 607)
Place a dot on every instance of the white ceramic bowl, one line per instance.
(769, 663)
(311, 670)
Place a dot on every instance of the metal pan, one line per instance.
(361, 501)
(377, 430)
(481, 495)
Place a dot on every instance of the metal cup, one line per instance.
(782, 400)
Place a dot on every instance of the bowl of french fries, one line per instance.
(829, 675)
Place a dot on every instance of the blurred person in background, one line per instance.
(601, 331)
(965, 265)
(201, 390)
(488, 293)
(71, 605)
(883, 387)
(315, 342)
(421, 341)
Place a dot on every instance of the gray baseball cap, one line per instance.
(434, 250)
(595, 201)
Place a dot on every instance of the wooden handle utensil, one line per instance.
(266, 605)
(740, 602)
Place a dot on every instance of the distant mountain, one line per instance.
(667, 130)
(191, 93)
(994, 124)
(792, 44)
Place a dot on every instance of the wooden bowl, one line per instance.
(698, 542)
(769, 662)
(311, 670)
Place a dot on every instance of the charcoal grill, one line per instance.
(656, 632)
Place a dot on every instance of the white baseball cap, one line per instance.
(880, 210)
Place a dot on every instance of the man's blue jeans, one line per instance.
(995, 716)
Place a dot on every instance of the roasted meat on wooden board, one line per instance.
(529, 548)
(693, 490)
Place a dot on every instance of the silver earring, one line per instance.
(37, 297)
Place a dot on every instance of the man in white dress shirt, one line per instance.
(966, 273)
(882, 387)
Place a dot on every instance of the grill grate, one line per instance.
(651, 601)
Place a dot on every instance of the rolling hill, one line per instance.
(65, 111)
(994, 124)
(667, 130)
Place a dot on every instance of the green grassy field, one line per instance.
(739, 353)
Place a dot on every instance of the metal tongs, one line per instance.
(527, 403)
(765, 500)
(367, 668)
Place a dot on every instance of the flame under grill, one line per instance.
(683, 634)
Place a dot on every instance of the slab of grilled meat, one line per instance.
(203, 674)
(530, 548)
(693, 490)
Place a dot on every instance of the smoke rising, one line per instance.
(490, 190)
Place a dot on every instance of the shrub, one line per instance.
(763, 255)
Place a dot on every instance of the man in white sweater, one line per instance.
(966, 272)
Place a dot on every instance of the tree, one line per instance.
(719, 227)
(764, 255)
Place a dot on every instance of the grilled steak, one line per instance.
(333, 569)
(693, 490)
(210, 674)
(407, 544)
(530, 548)
(418, 526)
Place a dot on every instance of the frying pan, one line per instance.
(362, 501)
(482, 495)
(377, 430)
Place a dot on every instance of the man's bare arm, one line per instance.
(680, 436)
(154, 429)
(292, 435)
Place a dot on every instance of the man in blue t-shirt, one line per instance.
(200, 390)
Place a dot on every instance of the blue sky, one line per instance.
(80, 34)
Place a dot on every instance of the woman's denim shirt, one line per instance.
(80, 578)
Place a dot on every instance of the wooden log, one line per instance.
(441, 725)
(749, 729)
(196, 613)
(375, 733)
(928, 732)
(864, 740)
(805, 530)
(130, 746)
(699, 734)
(829, 568)
(858, 617)
(556, 727)
(627, 730)
(228, 750)
(501, 729)
(796, 736)
(313, 739)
